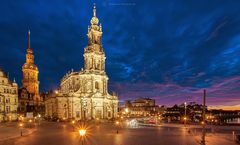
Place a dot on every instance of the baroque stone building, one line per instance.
(29, 96)
(84, 94)
(8, 98)
(140, 107)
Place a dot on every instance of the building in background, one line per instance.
(140, 107)
(84, 94)
(8, 98)
(25, 102)
(176, 113)
(31, 83)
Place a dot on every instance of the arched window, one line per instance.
(96, 85)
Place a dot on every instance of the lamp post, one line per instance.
(82, 133)
(30, 123)
(117, 124)
(39, 118)
(73, 122)
(203, 142)
(21, 126)
(185, 113)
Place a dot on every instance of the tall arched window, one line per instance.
(96, 85)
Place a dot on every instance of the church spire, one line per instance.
(95, 32)
(94, 20)
(29, 42)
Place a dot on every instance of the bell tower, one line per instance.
(94, 56)
(30, 73)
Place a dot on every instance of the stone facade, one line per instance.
(84, 94)
(8, 98)
(25, 102)
(140, 107)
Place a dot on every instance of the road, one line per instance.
(51, 133)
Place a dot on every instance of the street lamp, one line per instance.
(73, 122)
(21, 125)
(203, 141)
(56, 91)
(117, 124)
(30, 121)
(82, 133)
(185, 114)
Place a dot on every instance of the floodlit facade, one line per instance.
(30, 101)
(30, 74)
(8, 98)
(141, 107)
(84, 94)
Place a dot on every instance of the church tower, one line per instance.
(30, 73)
(94, 56)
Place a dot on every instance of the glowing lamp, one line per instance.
(82, 132)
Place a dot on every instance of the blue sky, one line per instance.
(167, 50)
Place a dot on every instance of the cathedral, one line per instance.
(84, 94)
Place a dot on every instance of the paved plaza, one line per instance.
(52, 133)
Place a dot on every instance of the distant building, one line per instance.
(140, 107)
(25, 102)
(173, 113)
(177, 113)
(84, 94)
(8, 98)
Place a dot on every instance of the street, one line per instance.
(51, 133)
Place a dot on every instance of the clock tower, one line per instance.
(30, 74)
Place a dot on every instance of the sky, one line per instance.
(167, 50)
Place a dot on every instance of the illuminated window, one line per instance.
(8, 108)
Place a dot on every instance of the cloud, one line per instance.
(173, 46)
(223, 90)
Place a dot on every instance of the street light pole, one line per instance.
(117, 124)
(203, 142)
(82, 133)
(21, 125)
(185, 114)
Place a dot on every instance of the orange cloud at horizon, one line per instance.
(235, 107)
